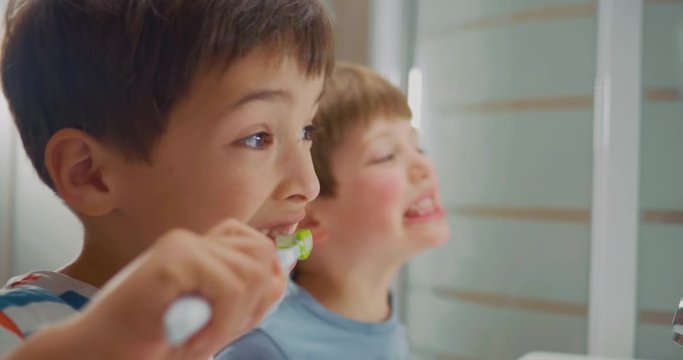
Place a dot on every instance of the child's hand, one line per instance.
(233, 267)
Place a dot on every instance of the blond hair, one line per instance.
(354, 95)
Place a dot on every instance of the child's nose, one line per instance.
(300, 182)
(420, 168)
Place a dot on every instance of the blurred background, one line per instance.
(557, 130)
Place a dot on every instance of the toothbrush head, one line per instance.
(302, 241)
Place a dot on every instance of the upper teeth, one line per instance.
(280, 230)
(423, 206)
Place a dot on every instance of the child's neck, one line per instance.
(97, 262)
(360, 293)
(88, 272)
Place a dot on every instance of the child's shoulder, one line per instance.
(302, 326)
(256, 345)
(31, 301)
(40, 286)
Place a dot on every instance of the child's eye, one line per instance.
(308, 132)
(257, 141)
(383, 159)
(421, 150)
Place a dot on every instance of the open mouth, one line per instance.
(424, 209)
(286, 257)
(279, 230)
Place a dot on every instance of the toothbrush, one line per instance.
(291, 248)
(190, 313)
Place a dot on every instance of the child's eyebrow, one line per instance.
(264, 95)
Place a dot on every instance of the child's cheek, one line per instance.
(380, 192)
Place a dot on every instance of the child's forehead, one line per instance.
(260, 69)
(383, 124)
(363, 134)
(248, 94)
(265, 58)
(257, 75)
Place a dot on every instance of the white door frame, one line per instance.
(613, 309)
(391, 41)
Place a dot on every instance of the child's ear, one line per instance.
(78, 165)
(315, 222)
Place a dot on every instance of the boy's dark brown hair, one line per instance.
(116, 68)
(354, 96)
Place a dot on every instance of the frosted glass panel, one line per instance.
(661, 230)
(507, 117)
(46, 234)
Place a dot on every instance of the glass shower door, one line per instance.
(660, 261)
(507, 116)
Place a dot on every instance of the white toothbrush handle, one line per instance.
(189, 314)
(288, 258)
(186, 317)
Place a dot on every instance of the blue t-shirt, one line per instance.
(301, 328)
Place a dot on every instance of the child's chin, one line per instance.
(436, 235)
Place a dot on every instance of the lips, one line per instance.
(425, 208)
(283, 227)
(421, 207)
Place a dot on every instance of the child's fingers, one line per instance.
(277, 290)
(249, 286)
(233, 283)
(263, 285)
(255, 274)
(259, 248)
(236, 235)
(255, 245)
(252, 262)
(230, 299)
(232, 227)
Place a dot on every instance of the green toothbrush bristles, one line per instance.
(303, 234)
(302, 239)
